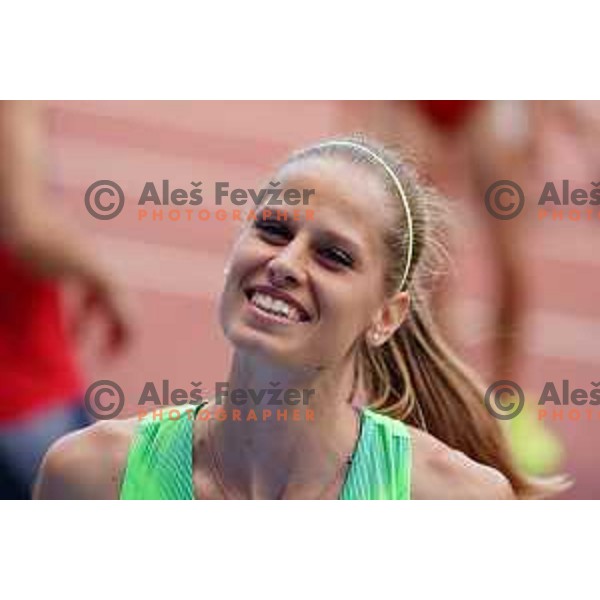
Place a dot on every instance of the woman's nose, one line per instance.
(286, 268)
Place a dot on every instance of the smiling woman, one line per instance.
(334, 304)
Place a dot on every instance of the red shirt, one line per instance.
(448, 114)
(37, 363)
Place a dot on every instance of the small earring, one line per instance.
(377, 335)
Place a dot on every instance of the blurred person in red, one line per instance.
(40, 384)
(501, 140)
(499, 144)
(464, 147)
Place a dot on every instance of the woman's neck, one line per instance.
(284, 433)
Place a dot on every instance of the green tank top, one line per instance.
(159, 462)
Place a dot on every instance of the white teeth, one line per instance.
(275, 306)
(281, 306)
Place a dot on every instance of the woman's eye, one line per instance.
(273, 229)
(338, 256)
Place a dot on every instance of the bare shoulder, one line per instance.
(443, 473)
(86, 464)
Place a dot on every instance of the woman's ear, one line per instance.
(390, 317)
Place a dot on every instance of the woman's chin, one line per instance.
(266, 346)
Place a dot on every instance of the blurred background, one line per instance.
(133, 301)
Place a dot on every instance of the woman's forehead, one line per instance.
(346, 192)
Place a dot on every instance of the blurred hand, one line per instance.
(104, 300)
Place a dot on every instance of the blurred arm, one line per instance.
(32, 228)
(29, 224)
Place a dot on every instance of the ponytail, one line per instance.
(416, 378)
